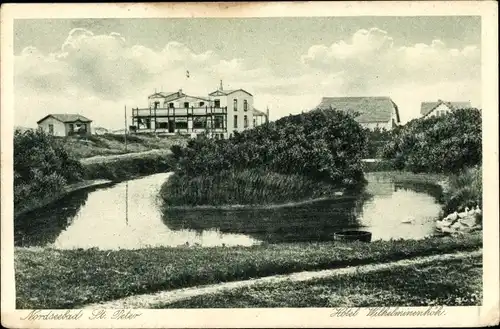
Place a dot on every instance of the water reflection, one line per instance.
(130, 215)
(44, 225)
(310, 222)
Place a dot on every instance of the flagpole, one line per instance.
(125, 133)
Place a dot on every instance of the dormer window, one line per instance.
(202, 103)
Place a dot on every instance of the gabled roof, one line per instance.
(227, 92)
(370, 109)
(65, 118)
(162, 94)
(257, 112)
(428, 107)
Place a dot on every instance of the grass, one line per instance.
(48, 278)
(128, 166)
(456, 282)
(109, 144)
(464, 190)
(246, 187)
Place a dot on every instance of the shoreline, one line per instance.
(258, 206)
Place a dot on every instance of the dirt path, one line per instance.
(116, 157)
(149, 300)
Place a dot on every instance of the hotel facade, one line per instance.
(217, 115)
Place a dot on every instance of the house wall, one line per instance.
(179, 103)
(67, 127)
(442, 109)
(240, 112)
(59, 127)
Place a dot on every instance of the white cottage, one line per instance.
(439, 108)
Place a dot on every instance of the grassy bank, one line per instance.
(127, 166)
(456, 282)
(246, 187)
(47, 278)
(109, 144)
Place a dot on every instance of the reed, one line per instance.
(245, 187)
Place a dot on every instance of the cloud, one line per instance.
(372, 64)
(97, 74)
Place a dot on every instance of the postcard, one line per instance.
(257, 164)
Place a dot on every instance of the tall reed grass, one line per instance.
(243, 187)
(464, 189)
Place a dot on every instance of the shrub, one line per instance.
(325, 145)
(449, 143)
(42, 166)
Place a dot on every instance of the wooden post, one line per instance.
(125, 133)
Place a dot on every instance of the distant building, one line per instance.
(100, 131)
(219, 115)
(439, 108)
(372, 112)
(65, 124)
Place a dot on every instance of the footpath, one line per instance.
(167, 297)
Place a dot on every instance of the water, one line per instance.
(129, 215)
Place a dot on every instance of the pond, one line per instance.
(130, 215)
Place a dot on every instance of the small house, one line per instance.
(369, 112)
(439, 108)
(65, 124)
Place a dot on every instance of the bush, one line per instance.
(325, 145)
(377, 139)
(42, 166)
(446, 144)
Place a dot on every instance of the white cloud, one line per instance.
(371, 64)
(96, 75)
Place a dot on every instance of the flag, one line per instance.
(187, 74)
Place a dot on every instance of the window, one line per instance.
(245, 105)
(219, 122)
(181, 124)
(51, 129)
(235, 121)
(162, 125)
(245, 121)
(202, 103)
(71, 127)
(171, 105)
(235, 104)
(199, 123)
(254, 122)
(157, 105)
(217, 103)
(186, 105)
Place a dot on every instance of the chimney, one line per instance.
(179, 92)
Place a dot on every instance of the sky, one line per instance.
(97, 67)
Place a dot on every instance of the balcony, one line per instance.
(178, 111)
